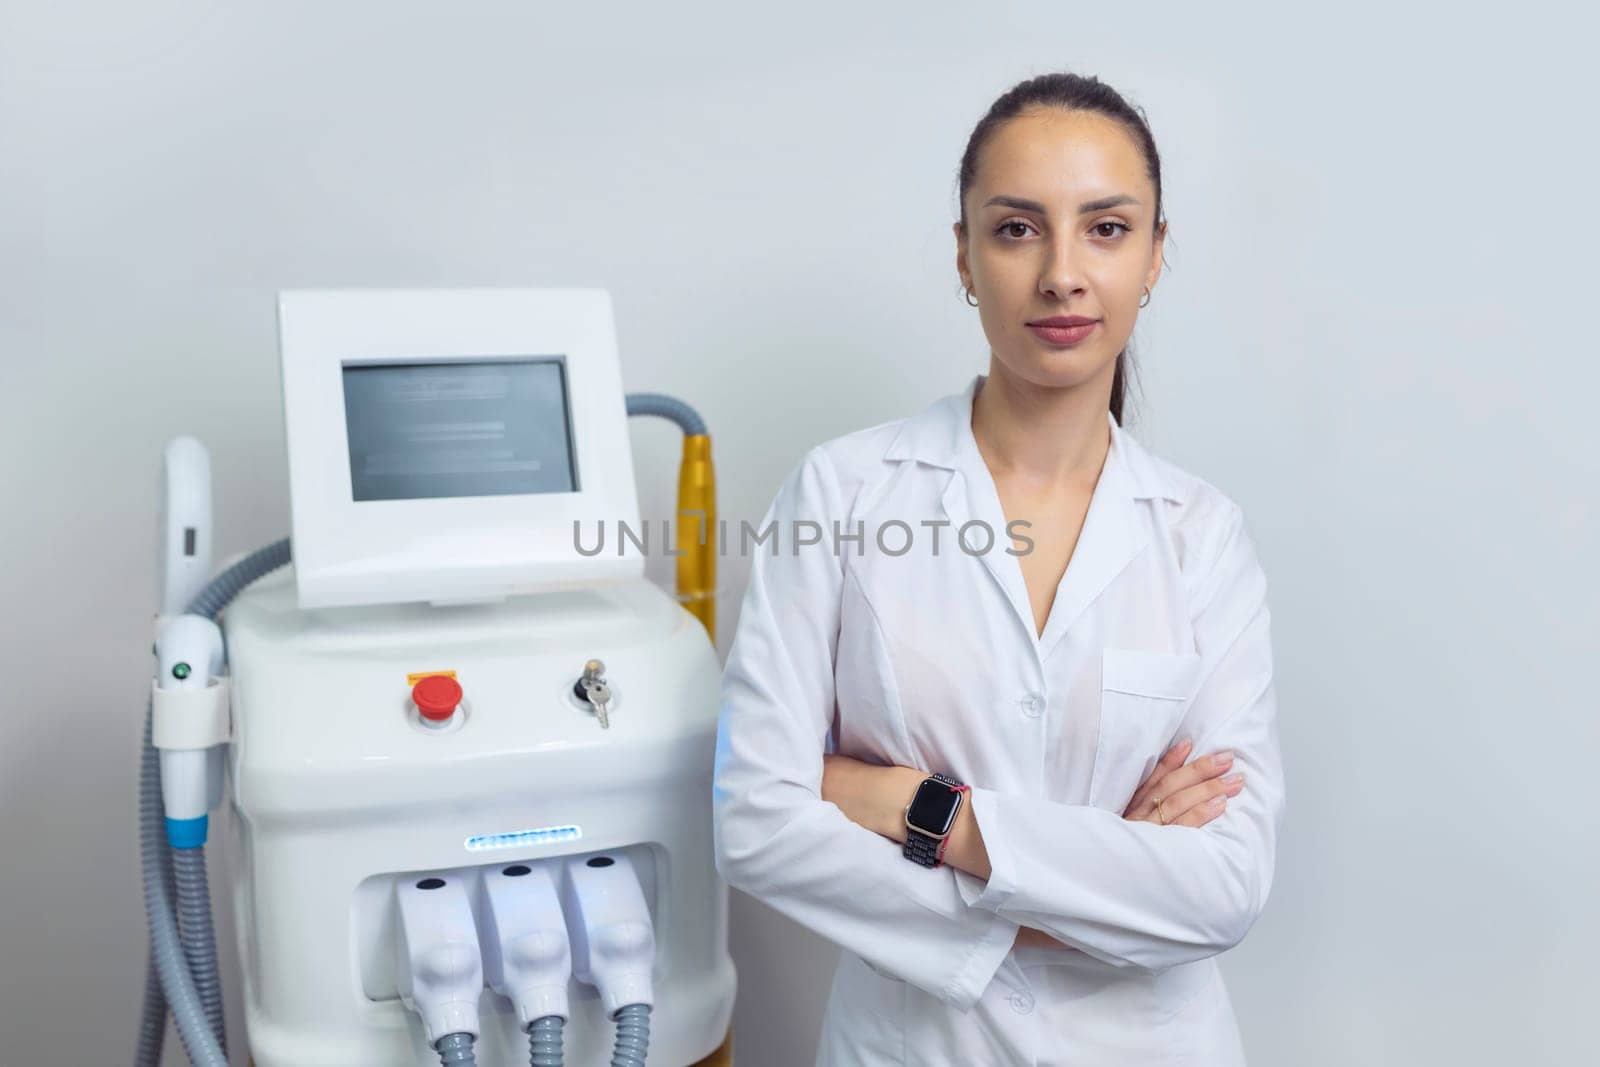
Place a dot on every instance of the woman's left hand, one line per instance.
(870, 795)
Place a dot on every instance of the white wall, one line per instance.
(1375, 336)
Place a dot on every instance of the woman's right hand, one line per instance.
(1191, 794)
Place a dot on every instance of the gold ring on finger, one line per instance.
(1160, 814)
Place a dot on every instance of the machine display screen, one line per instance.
(490, 427)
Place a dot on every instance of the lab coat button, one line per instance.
(1021, 1002)
(1032, 705)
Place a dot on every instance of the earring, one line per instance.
(1146, 299)
(972, 300)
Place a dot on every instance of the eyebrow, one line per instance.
(1083, 209)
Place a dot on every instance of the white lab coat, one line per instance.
(1158, 630)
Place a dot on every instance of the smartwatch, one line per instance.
(929, 817)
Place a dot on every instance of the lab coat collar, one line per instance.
(1111, 537)
(941, 434)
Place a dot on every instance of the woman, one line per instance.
(1058, 894)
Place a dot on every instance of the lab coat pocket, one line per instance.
(1143, 695)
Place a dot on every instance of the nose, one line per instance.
(1058, 274)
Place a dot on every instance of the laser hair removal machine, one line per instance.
(468, 746)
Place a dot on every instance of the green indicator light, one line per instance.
(180, 671)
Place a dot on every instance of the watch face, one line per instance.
(933, 809)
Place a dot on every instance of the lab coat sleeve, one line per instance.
(1138, 894)
(776, 838)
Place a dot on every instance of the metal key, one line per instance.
(596, 691)
(599, 695)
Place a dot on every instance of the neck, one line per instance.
(1042, 435)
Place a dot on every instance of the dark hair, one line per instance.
(1071, 92)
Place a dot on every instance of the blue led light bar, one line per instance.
(544, 836)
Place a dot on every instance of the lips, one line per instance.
(1063, 331)
(1064, 320)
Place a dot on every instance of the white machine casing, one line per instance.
(340, 792)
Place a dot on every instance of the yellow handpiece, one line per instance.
(697, 531)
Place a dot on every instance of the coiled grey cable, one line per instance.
(633, 1036)
(152, 1018)
(197, 935)
(456, 1049)
(544, 1041)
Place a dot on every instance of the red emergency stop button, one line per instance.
(436, 697)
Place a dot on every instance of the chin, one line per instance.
(1056, 368)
